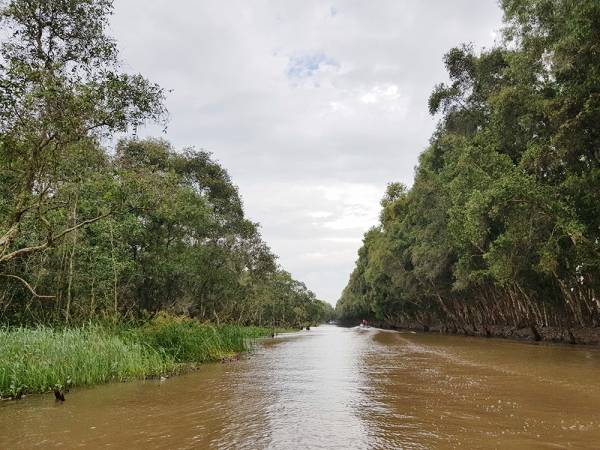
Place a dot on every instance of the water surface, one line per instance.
(337, 388)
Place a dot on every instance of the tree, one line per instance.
(501, 223)
(61, 92)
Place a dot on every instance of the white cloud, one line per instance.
(369, 98)
(320, 214)
(377, 93)
(344, 240)
(352, 222)
(312, 107)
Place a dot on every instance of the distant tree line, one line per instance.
(90, 234)
(502, 223)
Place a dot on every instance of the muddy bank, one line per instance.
(577, 336)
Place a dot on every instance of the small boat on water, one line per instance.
(363, 325)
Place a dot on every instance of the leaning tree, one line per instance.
(62, 91)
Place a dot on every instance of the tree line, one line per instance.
(502, 224)
(88, 232)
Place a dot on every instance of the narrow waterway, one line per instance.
(337, 388)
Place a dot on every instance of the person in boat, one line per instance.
(364, 323)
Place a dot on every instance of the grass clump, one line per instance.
(189, 341)
(36, 360)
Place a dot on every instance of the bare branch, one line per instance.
(49, 241)
(28, 286)
(82, 224)
(45, 222)
(9, 236)
(24, 251)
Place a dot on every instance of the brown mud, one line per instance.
(575, 336)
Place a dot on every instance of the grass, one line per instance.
(36, 360)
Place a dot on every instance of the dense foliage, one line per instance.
(501, 226)
(86, 233)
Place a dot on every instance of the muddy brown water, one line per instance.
(337, 388)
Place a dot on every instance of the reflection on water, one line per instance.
(332, 388)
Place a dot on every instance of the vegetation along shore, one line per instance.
(40, 359)
(99, 226)
(499, 233)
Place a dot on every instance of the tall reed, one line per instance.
(35, 360)
(38, 359)
(188, 341)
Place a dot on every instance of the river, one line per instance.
(337, 388)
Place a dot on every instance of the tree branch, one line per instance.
(49, 241)
(28, 286)
(82, 224)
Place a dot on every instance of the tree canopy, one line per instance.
(501, 224)
(87, 232)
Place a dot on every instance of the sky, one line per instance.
(311, 106)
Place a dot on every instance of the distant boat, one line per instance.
(364, 327)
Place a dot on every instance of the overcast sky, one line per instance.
(312, 106)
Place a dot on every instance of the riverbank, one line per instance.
(42, 359)
(575, 335)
